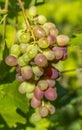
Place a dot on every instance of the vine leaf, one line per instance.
(10, 101)
(77, 40)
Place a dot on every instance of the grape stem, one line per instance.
(77, 69)
(26, 18)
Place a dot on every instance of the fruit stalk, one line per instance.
(26, 18)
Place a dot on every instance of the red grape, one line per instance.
(51, 94)
(51, 83)
(40, 60)
(38, 93)
(35, 102)
(11, 60)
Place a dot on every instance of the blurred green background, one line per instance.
(67, 15)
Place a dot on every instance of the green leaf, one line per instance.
(10, 101)
(76, 41)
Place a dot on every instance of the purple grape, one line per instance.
(35, 102)
(26, 72)
(51, 73)
(51, 39)
(18, 69)
(38, 93)
(51, 94)
(43, 110)
(40, 60)
(11, 60)
(19, 77)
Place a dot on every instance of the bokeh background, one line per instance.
(67, 15)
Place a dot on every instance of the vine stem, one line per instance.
(77, 69)
(26, 18)
(4, 23)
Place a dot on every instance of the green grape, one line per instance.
(49, 25)
(23, 37)
(29, 95)
(42, 84)
(21, 61)
(26, 58)
(50, 55)
(35, 117)
(23, 47)
(42, 19)
(30, 87)
(15, 50)
(38, 71)
(32, 51)
(32, 11)
(22, 88)
(43, 43)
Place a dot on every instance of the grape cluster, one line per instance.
(33, 56)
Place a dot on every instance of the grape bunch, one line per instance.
(38, 46)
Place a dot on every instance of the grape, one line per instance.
(19, 77)
(29, 95)
(32, 51)
(30, 87)
(51, 83)
(38, 93)
(35, 102)
(11, 60)
(42, 19)
(23, 37)
(23, 47)
(21, 61)
(51, 73)
(49, 25)
(38, 71)
(22, 87)
(43, 43)
(46, 29)
(51, 109)
(15, 50)
(52, 39)
(43, 110)
(26, 72)
(42, 84)
(50, 55)
(62, 40)
(18, 69)
(54, 31)
(36, 117)
(58, 52)
(26, 58)
(32, 11)
(39, 32)
(51, 94)
(64, 56)
(40, 60)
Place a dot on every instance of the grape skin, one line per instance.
(43, 110)
(40, 60)
(42, 84)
